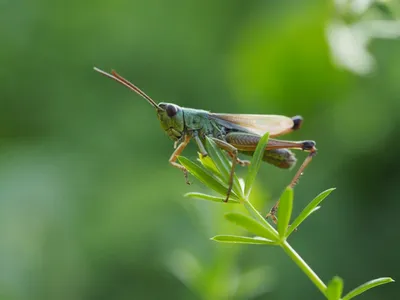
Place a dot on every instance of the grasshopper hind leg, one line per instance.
(281, 158)
(313, 152)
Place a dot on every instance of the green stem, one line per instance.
(303, 266)
(288, 249)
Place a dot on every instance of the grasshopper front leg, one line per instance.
(175, 155)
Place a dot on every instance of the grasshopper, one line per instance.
(234, 133)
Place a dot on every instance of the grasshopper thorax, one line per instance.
(171, 119)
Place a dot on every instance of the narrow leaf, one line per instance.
(308, 210)
(222, 163)
(218, 158)
(285, 211)
(208, 163)
(209, 197)
(251, 225)
(366, 286)
(314, 209)
(243, 240)
(205, 177)
(335, 288)
(255, 164)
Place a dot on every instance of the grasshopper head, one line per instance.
(171, 119)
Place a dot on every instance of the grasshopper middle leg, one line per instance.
(243, 163)
(233, 152)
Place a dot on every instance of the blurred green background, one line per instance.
(91, 209)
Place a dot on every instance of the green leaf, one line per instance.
(251, 225)
(308, 210)
(366, 286)
(205, 177)
(335, 288)
(223, 165)
(243, 240)
(208, 163)
(209, 197)
(255, 164)
(285, 211)
(220, 161)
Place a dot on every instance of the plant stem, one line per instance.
(288, 249)
(303, 266)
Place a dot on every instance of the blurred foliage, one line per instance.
(91, 209)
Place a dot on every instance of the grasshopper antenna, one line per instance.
(114, 75)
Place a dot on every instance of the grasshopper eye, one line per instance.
(171, 110)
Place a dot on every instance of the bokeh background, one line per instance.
(91, 209)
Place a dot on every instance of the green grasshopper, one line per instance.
(234, 133)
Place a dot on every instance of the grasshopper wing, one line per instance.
(257, 124)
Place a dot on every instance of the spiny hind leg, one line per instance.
(281, 158)
(248, 142)
(294, 181)
(277, 151)
(175, 155)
